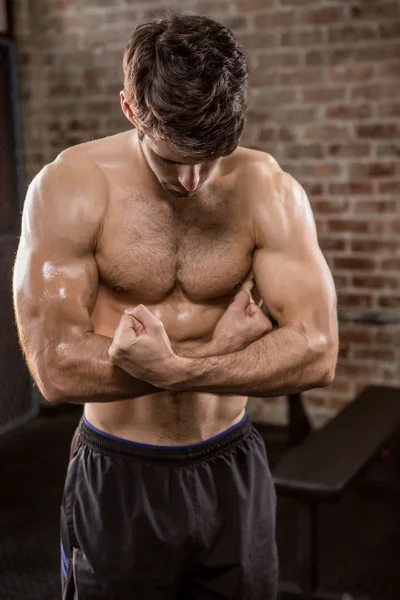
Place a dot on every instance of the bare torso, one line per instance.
(184, 259)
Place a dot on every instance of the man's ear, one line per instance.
(126, 108)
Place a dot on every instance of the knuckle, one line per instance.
(113, 353)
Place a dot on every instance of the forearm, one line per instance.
(84, 373)
(282, 362)
(211, 348)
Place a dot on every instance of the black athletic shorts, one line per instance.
(142, 522)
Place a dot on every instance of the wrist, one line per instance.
(208, 349)
(176, 372)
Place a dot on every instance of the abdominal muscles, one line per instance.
(166, 418)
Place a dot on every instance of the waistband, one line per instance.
(107, 444)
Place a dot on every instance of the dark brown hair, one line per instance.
(185, 78)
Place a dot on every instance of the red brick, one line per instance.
(320, 225)
(348, 111)
(303, 151)
(388, 334)
(379, 246)
(100, 107)
(378, 131)
(343, 352)
(390, 110)
(351, 187)
(276, 18)
(263, 76)
(297, 114)
(380, 9)
(276, 97)
(328, 244)
(375, 207)
(389, 264)
(73, 140)
(254, 116)
(323, 94)
(375, 91)
(341, 56)
(389, 187)
(236, 22)
(280, 59)
(258, 39)
(390, 149)
(352, 33)
(250, 5)
(315, 58)
(297, 3)
(389, 301)
(302, 37)
(323, 16)
(347, 225)
(286, 134)
(354, 300)
(92, 79)
(390, 70)
(328, 132)
(376, 282)
(313, 189)
(341, 280)
(355, 336)
(375, 169)
(351, 371)
(351, 73)
(267, 134)
(374, 354)
(61, 89)
(349, 150)
(381, 227)
(202, 6)
(326, 170)
(301, 77)
(331, 206)
(377, 53)
(390, 29)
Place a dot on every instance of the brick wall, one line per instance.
(324, 100)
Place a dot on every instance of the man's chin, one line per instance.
(176, 193)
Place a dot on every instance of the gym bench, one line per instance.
(323, 466)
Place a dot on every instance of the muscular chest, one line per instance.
(149, 247)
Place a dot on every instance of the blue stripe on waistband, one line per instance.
(155, 447)
(63, 555)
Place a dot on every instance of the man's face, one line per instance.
(178, 175)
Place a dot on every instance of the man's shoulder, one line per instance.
(261, 172)
(95, 152)
(253, 156)
(271, 193)
(72, 175)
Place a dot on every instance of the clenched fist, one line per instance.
(241, 324)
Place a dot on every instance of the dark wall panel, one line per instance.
(17, 403)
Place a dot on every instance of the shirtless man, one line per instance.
(132, 296)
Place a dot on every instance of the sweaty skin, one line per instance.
(99, 235)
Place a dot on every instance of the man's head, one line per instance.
(185, 89)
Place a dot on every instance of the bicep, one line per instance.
(296, 289)
(290, 271)
(55, 278)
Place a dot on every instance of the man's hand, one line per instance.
(242, 323)
(141, 347)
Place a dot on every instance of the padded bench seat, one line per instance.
(322, 467)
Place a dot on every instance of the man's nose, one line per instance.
(189, 177)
